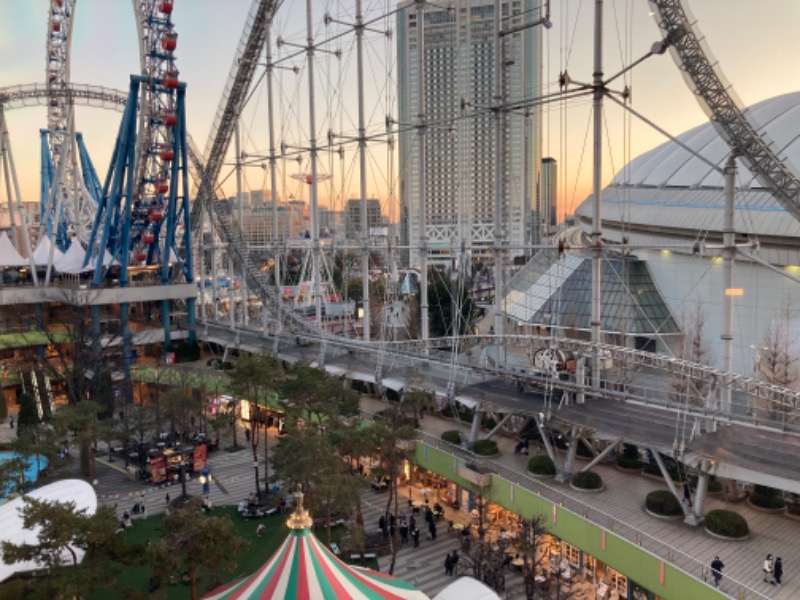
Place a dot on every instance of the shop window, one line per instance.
(618, 581)
(573, 555)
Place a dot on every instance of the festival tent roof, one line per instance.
(11, 529)
(9, 257)
(42, 253)
(72, 260)
(303, 568)
(467, 588)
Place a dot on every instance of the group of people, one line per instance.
(773, 570)
(450, 562)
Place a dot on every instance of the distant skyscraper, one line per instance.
(459, 88)
(353, 217)
(550, 191)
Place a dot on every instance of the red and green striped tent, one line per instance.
(304, 569)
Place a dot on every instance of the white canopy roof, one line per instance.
(467, 588)
(11, 529)
(72, 260)
(42, 253)
(9, 257)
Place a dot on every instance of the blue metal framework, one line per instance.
(127, 223)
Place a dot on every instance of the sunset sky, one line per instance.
(756, 44)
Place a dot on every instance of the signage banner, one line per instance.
(200, 457)
(158, 469)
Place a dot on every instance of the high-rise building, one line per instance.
(550, 192)
(353, 217)
(461, 79)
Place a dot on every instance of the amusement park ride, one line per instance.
(138, 231)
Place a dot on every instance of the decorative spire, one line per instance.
(299, 519)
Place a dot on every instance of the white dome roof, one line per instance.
(669, 165)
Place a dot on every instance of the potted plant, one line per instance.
(586, 481)
(452, 436)
(663, 504)
(541, 466)
(629, 460)
(485, 448)
(766, 499)
(714, 484)
(727, 524)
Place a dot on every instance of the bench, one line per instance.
(271, 511)
(335, 549)
(366, 555)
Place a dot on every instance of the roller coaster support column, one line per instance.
(688, 516)
(544, 434)
(499, 178)
(476, 425)
(422, 129)
(597, 191)
(600, 457)
(273, 178)
(362, 157)
(728, 254)
(572, 448)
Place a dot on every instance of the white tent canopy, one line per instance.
(467, 588)
(72, 260)
(41, 256)
(11, 529)
(9, 257)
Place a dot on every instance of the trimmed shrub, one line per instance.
(630, 451)
(714, 484)
(485, 448)
(727, 524)
(663, 502)
(583, 451)
(793, 509)
(651, 468)
(452, 436)
(541, 464)
(625, 462)
(766, 497)
(587, 480)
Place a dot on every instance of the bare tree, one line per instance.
(694, 348)
(778, 360)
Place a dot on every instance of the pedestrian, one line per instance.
(777, 570)
(432, 530)
(448, 565)
(247, 434)
(687, 494)
(769, 567)
(415, 537)
(382, 526)
(167, 499)
(11, 422)
(260, 530)
(716, 570)
(454, 561)
(403, 534)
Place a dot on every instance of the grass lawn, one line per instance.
(260, 550)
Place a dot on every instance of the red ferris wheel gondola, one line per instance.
(162, 187)
(169, 41)
(149, 236)
(165, 7)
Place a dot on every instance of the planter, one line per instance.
(628, 469)
(587, 490)
(475, 475)
(791, 516)
(548, 476)
(664, 517)
(655, 477)
(726, 538)
(770, 511)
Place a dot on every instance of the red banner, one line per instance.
(200, 457)
(158, 469)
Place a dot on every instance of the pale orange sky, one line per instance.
(755, 43)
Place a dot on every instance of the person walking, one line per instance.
(716, 570)
(415, 537)
(769, 567)
(454, 561)
(687, 494)
(448, 565)
(777, 570)
(432, 530)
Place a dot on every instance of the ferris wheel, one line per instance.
(69, 193)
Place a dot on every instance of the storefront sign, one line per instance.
(158, 469)
(200, 457)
